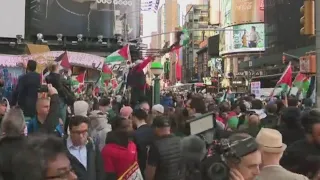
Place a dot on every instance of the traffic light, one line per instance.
(307, 20)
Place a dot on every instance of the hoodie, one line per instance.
(118, 155)
(99, 127)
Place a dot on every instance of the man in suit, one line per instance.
(26, 93)
(272, 148)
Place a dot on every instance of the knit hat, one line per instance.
(126, 111)
(158, 108)
(81, 108)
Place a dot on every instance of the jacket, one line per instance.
(51, 124)
(99, 128)
(279, 173)
(62, 87)
(26, 93)
(94, 168)
(118, 155)
(170, 158)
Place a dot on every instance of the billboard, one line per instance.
(242, 38)
(214, 11)
(235, 12)
(87, 17)
(12, 18)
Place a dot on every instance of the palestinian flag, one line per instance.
(64, 60)
(182, 39)
(119, 56)
(79, 79)
(302, 82)
(106, 73)
(286, 79)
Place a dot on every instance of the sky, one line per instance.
(152, 17)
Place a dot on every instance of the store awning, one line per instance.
(274, 59)
(36, 48)
(202, 50)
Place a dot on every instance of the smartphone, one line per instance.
(43, 88)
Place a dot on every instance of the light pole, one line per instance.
(156, 69)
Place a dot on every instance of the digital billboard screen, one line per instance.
(12, 18)
(242, 38)
(87, 17)
(235, 12)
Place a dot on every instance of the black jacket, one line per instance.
(94, 163)
(302, 157)
(170, 158)
(9, 147)
(26, 93)
(62, 86)
(143, 137)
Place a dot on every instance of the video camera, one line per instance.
(220, 152)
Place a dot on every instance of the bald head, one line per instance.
(43, 106)
(254, 119)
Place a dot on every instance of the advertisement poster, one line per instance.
(242, 38)
(247, 11)
(87, 17)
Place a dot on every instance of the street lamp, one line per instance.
(156, 69)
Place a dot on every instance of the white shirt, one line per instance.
(79, 152)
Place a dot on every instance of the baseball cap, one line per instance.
(126, 111)
(160, 122)
(158, 108)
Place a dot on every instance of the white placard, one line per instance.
(256, 88)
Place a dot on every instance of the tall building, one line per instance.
(168, 20)
(196, 17)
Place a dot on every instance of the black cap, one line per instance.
(160, 122)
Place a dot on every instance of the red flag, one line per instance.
(286, 77)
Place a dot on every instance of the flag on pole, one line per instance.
(119, 56)
(106, 74)
(302, 82)
(64, 60)
(79, 79)
(286, 79)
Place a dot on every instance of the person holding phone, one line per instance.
(47, 117)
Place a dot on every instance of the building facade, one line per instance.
(197, 17)
(168, 20)
(283, 42)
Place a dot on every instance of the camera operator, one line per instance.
(235, 158)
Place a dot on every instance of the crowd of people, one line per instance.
(54, 135)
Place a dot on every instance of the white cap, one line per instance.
(158, 107)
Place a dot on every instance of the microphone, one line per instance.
(193, 148)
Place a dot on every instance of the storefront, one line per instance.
(239, 84)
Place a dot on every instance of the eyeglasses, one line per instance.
(62, 176)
